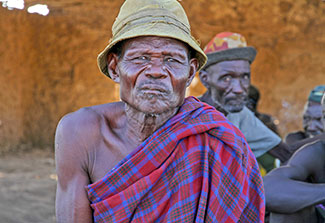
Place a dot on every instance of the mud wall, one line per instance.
(48, 64)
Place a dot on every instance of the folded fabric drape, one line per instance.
(196, 168)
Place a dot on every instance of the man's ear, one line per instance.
(204, 78)
(193, 68)
(112, 60)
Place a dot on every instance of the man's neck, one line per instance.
(141, 125)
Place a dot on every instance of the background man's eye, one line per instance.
(246, 76)
(227, 78)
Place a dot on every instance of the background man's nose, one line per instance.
(312, 126)
(237, 86)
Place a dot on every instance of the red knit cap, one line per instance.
(228, 46)
(224, 41)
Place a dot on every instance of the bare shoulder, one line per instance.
(78, 133)
(78, 137)
(310, 157)
(85, 123)
(308, 154)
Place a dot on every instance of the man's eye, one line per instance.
(171, 60)
(142, 58)
(226, 78)
(246, 76)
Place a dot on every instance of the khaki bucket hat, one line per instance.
(165, 18)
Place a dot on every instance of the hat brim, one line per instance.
(153, 29)
(239, 53)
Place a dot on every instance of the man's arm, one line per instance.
(72, 204)
(283, 151)
(296, 145)
(285, 189)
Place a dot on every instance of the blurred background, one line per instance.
(48, 65)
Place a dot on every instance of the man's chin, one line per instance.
(154, 107)
(234, 108)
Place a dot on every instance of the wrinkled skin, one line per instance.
(153, 73)
(227, 82)
(153, 77)
(312, 122)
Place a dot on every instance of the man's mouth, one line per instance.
(235, 101)
(153, 88)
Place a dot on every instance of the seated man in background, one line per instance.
(154, 156)
(295, 192)
(312, 123)
(227, 79)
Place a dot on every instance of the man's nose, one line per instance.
(313, 126)
(156, 69)
(237, 86)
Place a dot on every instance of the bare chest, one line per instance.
(107, 155)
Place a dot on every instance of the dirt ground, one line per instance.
(27, 187)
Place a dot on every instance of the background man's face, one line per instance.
(154, 73)
(312, 119)
(228, 82)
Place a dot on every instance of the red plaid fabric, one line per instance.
(196, 168)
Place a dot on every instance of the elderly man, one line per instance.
(227, 79)
(156, 156)
(312, 123)
(293, 190)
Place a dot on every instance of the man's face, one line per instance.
(228, 82)
(312, 119)
(154, 72)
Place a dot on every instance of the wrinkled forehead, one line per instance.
(155, 43)
(229, 66)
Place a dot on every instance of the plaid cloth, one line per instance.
(196, 168)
